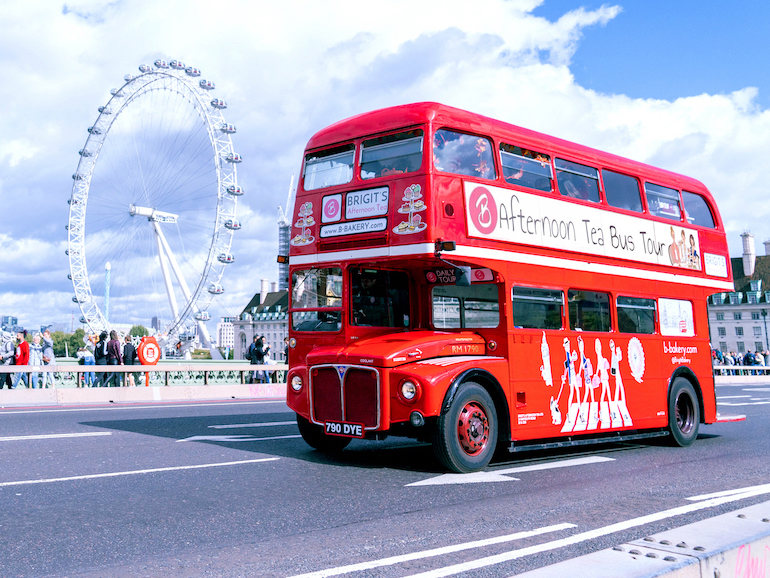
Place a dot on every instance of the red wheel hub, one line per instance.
(473, 428)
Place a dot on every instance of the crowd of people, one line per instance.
(259, 354)
(733, 359)
(18, 351)
(102, 350)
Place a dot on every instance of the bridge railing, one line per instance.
(166, 373)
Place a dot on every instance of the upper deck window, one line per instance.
(463, 154)
(526, 168)
(330, 167)
(622, 191)
(697, 210)
(577, 181)
(663, 201)
(392, 154)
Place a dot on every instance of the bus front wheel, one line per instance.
(683, 412)
(315, 437)
(466, 435)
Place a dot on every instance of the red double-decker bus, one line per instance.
(465, 281)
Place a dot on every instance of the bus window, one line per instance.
(463, 154)
(663, 201)
(330, 167)
(537, 308)
(636, 315)
(391, 155)
(697, 210)
(589, 310)
(622, 191)
(577, 181)
(456, 307)
(319, 290)
(379, 298)
(526, 168)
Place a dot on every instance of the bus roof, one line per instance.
(440, 115)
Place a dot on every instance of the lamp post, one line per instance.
(764, 320)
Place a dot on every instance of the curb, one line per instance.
(97, 395)
(733, 545)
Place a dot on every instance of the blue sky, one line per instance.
(681, 85)
(666, 50)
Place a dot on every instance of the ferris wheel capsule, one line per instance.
(77, 177)
(227, 128)
(85, 153)
(232, 224)
(76, 300)
(176, 64)
(161, 64)
(129, 77)
(225, 258)
(192, 71)
(206, 84)
(233, 158)
(218, 103)
(83, 320)
(94, 130)
(236, 190)
(105, 110)
(116, 93)
(216, 289)
(202, 316)
(144, 68)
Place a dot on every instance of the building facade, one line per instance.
(266, 314)
(226, 332)
(738, 320)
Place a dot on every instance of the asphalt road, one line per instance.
(229, 489)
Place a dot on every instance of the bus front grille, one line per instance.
(345, 393)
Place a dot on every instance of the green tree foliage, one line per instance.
(138, 331)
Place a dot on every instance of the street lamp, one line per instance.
(764, 320)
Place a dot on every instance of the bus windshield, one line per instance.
(317, 293)
(379, 298)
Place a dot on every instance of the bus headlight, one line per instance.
(296, 383)
(409, 391)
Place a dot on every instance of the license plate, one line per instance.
(348, 430)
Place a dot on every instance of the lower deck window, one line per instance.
(537, 308)
(589, 310)
(636, 315)
(456, 307)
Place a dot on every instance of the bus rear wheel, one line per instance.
(466, 435)
(683, 412)
(315, 437)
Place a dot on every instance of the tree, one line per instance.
(75, 341)
(138, 331)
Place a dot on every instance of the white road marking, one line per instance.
(127, 405)
(721, 397)
(135, 472)
(502, 475)
(730, 492)
(591, 534)
(235, 438)
(55, 436)
(747, 403)
(263, 424)
(433, 552)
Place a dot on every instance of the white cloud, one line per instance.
(287, 69)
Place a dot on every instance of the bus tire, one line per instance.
(315, 437)
(466, 434)
(683, 412)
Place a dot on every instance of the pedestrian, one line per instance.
(100, 357)
(35, 358)
(85, 357)
(251, 355)
(22, 358)
(7, 355)
(48, 359)
(114, 357)
(129, 358)
(261, 352)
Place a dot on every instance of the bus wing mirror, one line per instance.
(463, 276)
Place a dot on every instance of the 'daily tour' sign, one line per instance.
(517, 217)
